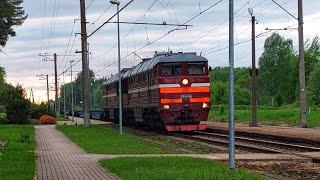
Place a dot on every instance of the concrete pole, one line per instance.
(302, 76)
(231, 162)
(64, 97)
(72, 94)
(85, 65)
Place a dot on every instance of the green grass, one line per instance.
(105, 140)
(17, 160)
(62, 118)
(131, 168)
(287, 115)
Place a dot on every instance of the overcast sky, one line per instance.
(50, 28)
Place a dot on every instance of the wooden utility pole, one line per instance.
(302, 76)
(254, 100)
(48, 91)
(57, 103)
(85, 65)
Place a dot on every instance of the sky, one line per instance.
(52, 24)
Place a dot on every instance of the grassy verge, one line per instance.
(17, 160)
(62, 118)
(175, 144)
(102, 140)
(129, 168)
(267, 115)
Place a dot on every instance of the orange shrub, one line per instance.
(46, 119)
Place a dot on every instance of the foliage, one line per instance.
(112, 143)
(3, 118)
(18, 158)
(173, 168)
(277, 80)
(312, 55)
(314, 86)
(2, 78)
(220, 86)
(11, 14)
(285, 115)
(62, 118)
(46, 119)
(17, 106)
(37, 110)
(95, 92)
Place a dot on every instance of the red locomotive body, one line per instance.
(170, 91)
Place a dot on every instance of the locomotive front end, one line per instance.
(185, 94)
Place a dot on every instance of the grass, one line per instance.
(178, 145)
(102, 140)
(17, 160)
(287, 115)
(62, 118)
(131, 168)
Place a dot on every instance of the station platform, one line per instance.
(302, 134)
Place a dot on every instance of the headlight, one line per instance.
(185, 81)
(166, 107)
(204, 105)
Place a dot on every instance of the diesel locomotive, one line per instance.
(170, 91)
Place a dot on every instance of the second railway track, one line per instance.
(252, 144)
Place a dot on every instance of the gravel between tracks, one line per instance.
(288, 169)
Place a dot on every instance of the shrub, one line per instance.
(37, 110)
(46, 119)
(16, 105)
(3, 118)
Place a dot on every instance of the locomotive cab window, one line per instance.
(171, 69)
(196, 68)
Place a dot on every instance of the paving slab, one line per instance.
(60, 158)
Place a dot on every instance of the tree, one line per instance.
(277, 81)
(16, 104)
(2, 78)
(314, 86)
(11, 14)
(312, 55)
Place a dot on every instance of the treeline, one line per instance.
(95, 92)
(278, 75)
(15, 107)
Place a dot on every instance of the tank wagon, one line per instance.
(170, 91)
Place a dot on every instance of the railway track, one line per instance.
(251, 144)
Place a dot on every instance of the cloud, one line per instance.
(209, 32)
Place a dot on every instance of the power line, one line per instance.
(110, 18)
(65, 53)
(212, 30)
(175, 29)
(43, 22)
(138, 19)
(89, 4)
(241, 33)
(100, 16)
(53, 22)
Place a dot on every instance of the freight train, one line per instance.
(170, 92)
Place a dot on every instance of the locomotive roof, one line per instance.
(149, 64)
